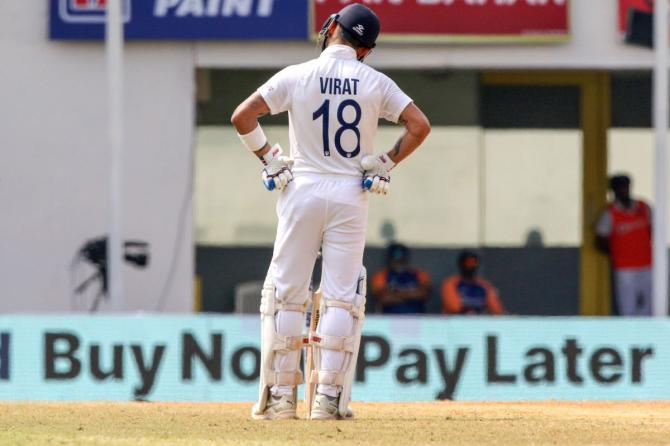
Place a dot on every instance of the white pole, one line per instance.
(660, 274)
(114, 53)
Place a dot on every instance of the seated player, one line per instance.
(467, 293)
(400, 288)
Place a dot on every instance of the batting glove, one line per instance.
(277, 172)
(376, 175)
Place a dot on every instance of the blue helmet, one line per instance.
(359, 21)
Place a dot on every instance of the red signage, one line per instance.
(461, 20)
(626, 5)
(90, 4)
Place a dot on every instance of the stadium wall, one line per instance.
(541, 281)
(54, 179)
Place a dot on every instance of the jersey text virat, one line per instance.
(333, 85)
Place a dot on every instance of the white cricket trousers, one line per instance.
(632, 290)
(327, 212)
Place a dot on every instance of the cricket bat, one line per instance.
(310, 387)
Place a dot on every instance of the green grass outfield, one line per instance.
(452, 423)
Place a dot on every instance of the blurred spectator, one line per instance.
(400, 288)
(623, 232)
(534, 238)
(467, 293)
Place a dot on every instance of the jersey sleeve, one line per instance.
(604, 224)
(278, 90)
(394, 100)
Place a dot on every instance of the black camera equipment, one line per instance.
(94, 251)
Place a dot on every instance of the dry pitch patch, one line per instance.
(452, 423)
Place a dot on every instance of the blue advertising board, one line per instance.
(183, 19)
(216, 358)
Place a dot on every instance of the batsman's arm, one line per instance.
(245, 117)
(417, 128)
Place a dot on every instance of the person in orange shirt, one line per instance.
(400, 288)
(467, 293)
(623, 231)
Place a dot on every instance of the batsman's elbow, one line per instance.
(237, 116)
(416, 122)
(420, 127)
(424, 127)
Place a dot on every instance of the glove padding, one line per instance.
(277, 172)
(376, 175)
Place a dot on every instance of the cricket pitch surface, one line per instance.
(389, 424)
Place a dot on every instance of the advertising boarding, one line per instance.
(216, 358)
(183, 19)
(463, 20)
(402, 20)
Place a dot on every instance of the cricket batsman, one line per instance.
(334, 103)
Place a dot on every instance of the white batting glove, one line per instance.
(376, 175)
(277, 172)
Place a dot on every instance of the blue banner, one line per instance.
(216, 358)
(183, 19)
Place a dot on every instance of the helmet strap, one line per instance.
(323, 34)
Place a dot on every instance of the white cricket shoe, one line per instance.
(278, 408)
(325, 408)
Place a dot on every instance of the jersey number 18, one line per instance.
(324, 111)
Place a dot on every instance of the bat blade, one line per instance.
(309, 357)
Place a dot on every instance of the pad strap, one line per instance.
(287, 343)
(301, 308)
(270, 307)
(337, 343)
(283, 378)
(356, 311)
(329, 377)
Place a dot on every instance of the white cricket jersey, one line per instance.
(334, 104)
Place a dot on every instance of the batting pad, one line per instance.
(349, 345)
(273, 343)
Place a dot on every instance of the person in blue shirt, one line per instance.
(400, 288)
(467, 292)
